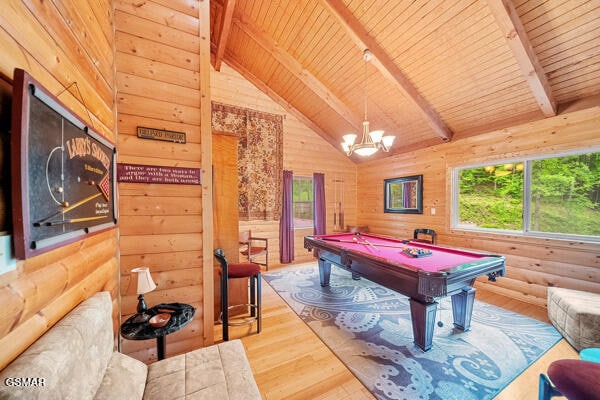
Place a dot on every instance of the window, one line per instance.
(550, 197)
(303, 202)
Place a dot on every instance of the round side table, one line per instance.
(137, 327)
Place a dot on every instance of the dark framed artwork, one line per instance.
(403, 195)
(63, 173)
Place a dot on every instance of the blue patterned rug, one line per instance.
(369, 328)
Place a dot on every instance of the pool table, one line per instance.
(420, 271)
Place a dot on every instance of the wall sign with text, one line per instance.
(160, 134)
(63, 185)
(139, 173)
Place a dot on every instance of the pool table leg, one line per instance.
(324, 271)
(423, 322)
(462, 308)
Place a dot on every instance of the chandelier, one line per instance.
(372, 141)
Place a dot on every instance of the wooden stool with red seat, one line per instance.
(233, 271)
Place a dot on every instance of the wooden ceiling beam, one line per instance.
(297, 70)
(386, 65)
(250, 77)
(514, 32)
(225, 29)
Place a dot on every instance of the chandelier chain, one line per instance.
(366, 57)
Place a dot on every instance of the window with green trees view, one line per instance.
(303, 202)
(558, 196)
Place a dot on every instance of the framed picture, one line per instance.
(63, 179)
(403, 195)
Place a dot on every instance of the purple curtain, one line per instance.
(319, 199)
(286, 223)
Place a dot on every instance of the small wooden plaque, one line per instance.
(160, 134)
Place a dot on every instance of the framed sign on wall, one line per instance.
(63, 173)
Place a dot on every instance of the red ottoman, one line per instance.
(576, 379)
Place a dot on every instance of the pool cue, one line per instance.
(355, 242)
(341, 218)
(366, 241)
(334, 203)
(67, 209)
(74, 220)
(367, 245)
(92, 197)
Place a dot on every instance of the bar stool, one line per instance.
(233, 271)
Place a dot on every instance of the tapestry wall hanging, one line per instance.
(260, 158)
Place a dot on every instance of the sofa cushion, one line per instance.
(125, 378)
(576, 315)
(217, 372)
(70, 358)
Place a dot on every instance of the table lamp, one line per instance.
(145, 284)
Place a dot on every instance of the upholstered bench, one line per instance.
(76, 360)
(576, 315)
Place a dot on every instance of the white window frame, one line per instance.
(526, 219)
(311, 178)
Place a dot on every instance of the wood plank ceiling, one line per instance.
(441, 69)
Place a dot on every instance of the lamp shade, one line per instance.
(145, 283)
(376, 136)
(388, 141)
(349, 138)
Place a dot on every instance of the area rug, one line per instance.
(369, 328)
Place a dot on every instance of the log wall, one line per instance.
(160, 71)
(58, 43)
(532, 264)
(304, 152)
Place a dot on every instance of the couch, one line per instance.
(576, 315)
(76, 360)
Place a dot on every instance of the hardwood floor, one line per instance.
(290, 362)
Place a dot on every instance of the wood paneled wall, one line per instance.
(532, 264)
(59, 43)
(304, 152)
(160, 72)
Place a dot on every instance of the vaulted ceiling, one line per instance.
(441, 69)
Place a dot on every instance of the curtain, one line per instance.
(319, 200)
(286, 223)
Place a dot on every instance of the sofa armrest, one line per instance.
(125, 378)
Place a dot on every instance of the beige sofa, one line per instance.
(576, 315)
(76, 360)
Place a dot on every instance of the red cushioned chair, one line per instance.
(574, 379)
(233, 271)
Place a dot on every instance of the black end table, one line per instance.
(139, 328)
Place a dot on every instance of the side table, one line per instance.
(135, 329)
